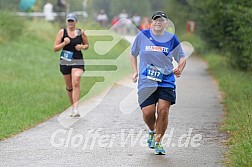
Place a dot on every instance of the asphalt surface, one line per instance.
(113, 132)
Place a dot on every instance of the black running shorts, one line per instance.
(150, 96)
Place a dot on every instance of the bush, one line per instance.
(241, 36)
(11, 27)
(225, 25)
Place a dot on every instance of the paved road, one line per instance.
(107, 136)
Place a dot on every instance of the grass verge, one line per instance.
(237, 89)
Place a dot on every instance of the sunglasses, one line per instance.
(70, 20)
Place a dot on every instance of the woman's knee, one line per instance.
(69, 87)
(76, 84)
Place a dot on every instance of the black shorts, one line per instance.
(67, 69)
(66, 66)
(149, 96)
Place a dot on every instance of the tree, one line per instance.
(225, 25)
(9, 5)
(159, 5)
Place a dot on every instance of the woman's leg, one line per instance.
(76, 77)
(69, 87)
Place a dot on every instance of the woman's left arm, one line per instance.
(84, 40)
(84, 45)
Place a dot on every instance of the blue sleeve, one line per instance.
(177, 52)
(135, 46)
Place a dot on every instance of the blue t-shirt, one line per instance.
(156, 55)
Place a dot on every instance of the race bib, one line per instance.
(66, 55)
(155, 73)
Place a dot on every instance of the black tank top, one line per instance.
(73, 43)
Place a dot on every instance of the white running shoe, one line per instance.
(75, 113)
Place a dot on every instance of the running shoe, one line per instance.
(75, 113)
(151, 139)
(159, 150)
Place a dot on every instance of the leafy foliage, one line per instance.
(9, 5)
(225, 25)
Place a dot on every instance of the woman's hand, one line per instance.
(58, 44)
(66, 40)
(79, 47)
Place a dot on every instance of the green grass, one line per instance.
(32, 88)
(10, 27)
(30, 84)
(237, 88)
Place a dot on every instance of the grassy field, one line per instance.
(32, 87)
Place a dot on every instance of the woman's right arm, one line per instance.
(58, 45)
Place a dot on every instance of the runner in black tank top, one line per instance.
(77, 58)
(71, 41)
